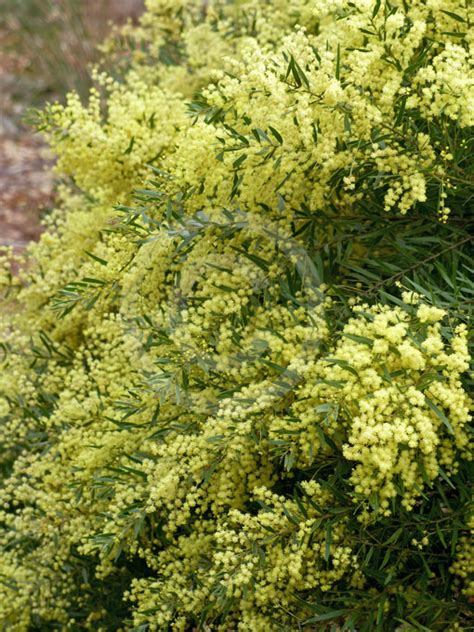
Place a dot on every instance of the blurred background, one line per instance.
(46, 48)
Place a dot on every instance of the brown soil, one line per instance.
(26, 181)
(26, 188)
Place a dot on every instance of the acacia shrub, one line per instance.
(234, 390)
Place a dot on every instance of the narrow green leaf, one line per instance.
(376, 8)
(454, 16)
(343, 364)
(327, 548)
(258, 261)
(327, 616)
(130, 146)
(277, 134)
(362, 339)
(102, 262)
(240, 160)
(260, 135)
(440, 414)
(440, 535)
(215, 439)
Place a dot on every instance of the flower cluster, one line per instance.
(391, 394)
(308, 96)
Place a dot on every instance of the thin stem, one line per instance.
(416, 265)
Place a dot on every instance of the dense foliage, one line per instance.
(234, 388)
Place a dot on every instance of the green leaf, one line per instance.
(440, 415)
(130, 146)
(440, 535)
(277, 134)
(102, 262)
(289, 461)
(324, 408)
(362, 339)
(327, 616)
(374, 501)
(240, 160)
(325, 439)
(454, 16)
(400, 111)
(394, 537)
(297, 73)
(445, 478)
(376, 8)
(343, 364)
(277, 367)
(215, 439)
(454, 34)
(260, 135)
(258, 261)
(338, 62)
(291, 517)
(380, 611)
(327, 547)
(90, 281)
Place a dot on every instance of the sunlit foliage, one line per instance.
(234, 390)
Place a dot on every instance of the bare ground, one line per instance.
(26, 181)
